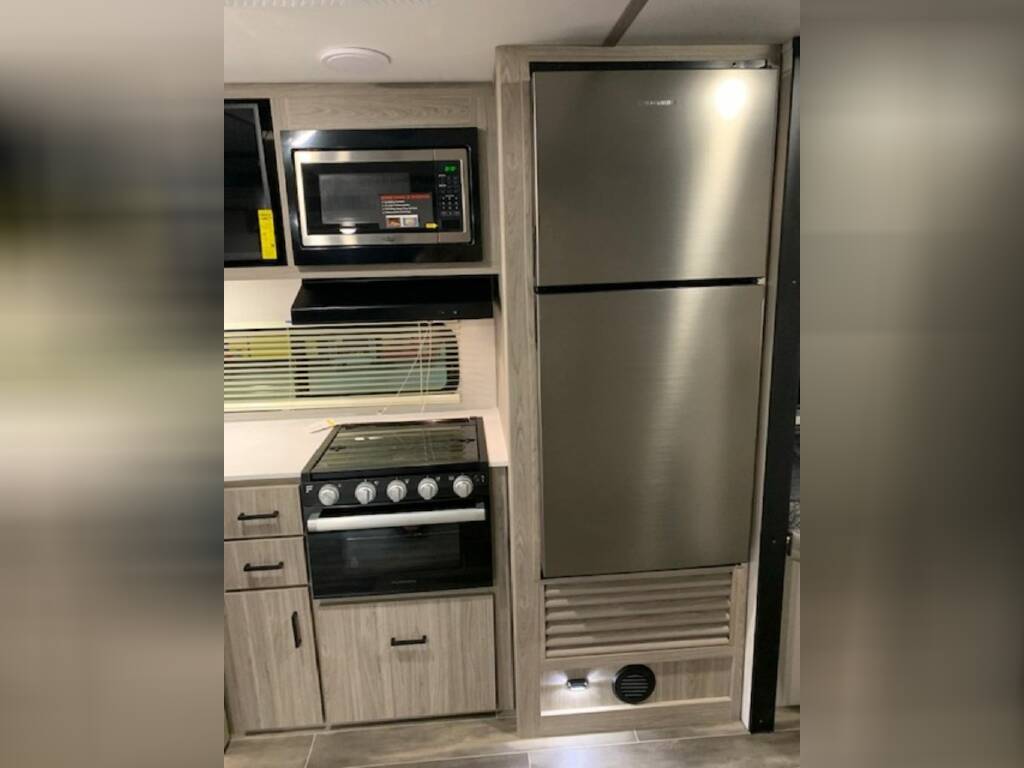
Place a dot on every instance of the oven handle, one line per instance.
(317, 524)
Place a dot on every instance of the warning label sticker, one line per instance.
(405, 211)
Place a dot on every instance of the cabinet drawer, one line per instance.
(416, 658)
(268, 510)
(261, 563)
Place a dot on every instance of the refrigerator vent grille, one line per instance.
(625, 613)
(316, 366)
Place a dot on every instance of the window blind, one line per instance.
(314, 366)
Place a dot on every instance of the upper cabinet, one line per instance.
(253, 232)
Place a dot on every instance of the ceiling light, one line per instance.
(355, 61)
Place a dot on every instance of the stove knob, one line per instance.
(396, 490)
(329, 495)
(365, 493)
(427, 488)
(462, 486)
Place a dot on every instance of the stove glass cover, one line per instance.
(386, 446)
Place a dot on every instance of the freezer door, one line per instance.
(648, 427)
(653, 175)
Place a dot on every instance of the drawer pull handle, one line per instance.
(276, 567)
(269, 516)
(417, 641)
(295, 629)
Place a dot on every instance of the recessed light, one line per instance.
(354, 61)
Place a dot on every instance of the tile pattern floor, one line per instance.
(492, 743)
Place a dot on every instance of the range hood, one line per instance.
(364, 300)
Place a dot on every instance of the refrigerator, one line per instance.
(653, 197)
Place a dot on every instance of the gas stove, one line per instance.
(398, 507)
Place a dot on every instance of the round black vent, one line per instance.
(634, 683)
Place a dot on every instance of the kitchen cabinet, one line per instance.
(253, 231)
(270, 660)
(262, 510)
(407, 659)
(264, 563)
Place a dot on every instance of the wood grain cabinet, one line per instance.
(262, 510)
(264, 563)
(407, 659)
(270, 660)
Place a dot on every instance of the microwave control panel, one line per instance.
(448, 193)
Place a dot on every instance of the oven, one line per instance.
(398, 507)
(422, 549)
(383, 196)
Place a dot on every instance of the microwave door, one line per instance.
(401, 197)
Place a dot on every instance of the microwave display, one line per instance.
(367, 197)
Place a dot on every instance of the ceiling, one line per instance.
(454, 40)
(663, 22)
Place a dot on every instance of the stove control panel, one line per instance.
(390, 491)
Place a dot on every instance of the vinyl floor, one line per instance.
(492, 743)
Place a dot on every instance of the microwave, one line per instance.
(387, 196)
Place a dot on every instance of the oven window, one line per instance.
(394, 560)
(357, 198)
(394, 552)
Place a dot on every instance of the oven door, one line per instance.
(382, 197)
(385, 553)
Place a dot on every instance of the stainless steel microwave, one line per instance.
(359, 197)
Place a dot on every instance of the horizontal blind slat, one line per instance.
(309, 365)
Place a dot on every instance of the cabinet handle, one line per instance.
(269, 516)
(250, 567)
(295, 629)
(417, 641)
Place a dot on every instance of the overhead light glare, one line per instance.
(730, 97)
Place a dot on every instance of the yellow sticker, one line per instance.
(431, 225)
(268, 245)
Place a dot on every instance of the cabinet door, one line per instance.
(353, 663)
(270, 660)
(407, 659)
(441, 654)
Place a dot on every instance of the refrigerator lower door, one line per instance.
(648, 427)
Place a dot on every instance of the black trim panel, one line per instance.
(373, 299)
(783, 399)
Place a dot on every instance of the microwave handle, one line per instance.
(318, 524)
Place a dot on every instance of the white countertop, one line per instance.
(278, 449)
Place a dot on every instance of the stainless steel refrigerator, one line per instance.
(653, 192)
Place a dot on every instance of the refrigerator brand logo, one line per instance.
(656, 102)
